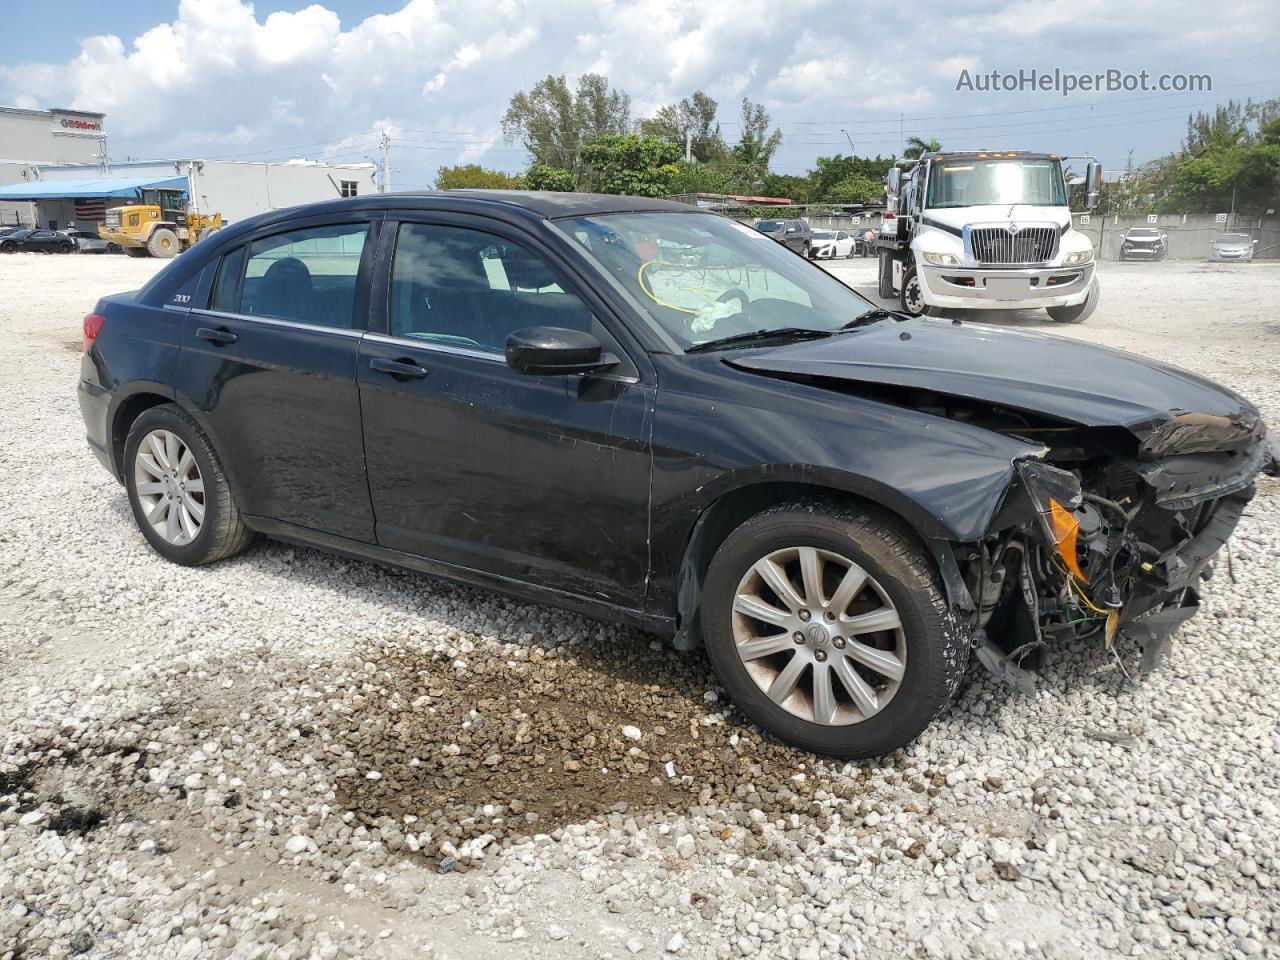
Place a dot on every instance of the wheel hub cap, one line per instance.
(169, 487)
(819, 635)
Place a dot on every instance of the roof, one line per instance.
(552, 205)
(126, 187)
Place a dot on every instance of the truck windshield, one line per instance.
(975, 183)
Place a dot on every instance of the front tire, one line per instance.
(137, 252)
(163, 243)
(911, 296)
(1080, 312)
(879, 655)
(178, 490)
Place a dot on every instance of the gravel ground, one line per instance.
(294, 755)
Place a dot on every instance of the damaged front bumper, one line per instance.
(1114, 550)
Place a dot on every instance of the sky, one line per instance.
(271, 81)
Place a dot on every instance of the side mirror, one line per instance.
(893, 181)
(1092, 183)
(556, 350)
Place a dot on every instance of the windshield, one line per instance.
(1233, 238)
(770, 226)
(1144, 232)
(729, 280)
(974, 183)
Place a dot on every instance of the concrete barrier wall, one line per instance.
(1190, 234)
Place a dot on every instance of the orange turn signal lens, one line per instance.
(1066, 530)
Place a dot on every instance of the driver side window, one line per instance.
(466, 288)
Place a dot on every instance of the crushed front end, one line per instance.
(1108, 534)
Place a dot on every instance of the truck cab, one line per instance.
(986, 230)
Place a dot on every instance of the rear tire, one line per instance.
(222, 532)
(163, 244)
(884, 276)
(927, 647)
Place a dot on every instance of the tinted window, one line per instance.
(308, 276)
(472, 289)
(226, 285)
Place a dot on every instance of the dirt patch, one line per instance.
(513, 748)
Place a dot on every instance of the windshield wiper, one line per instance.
(759, 336)
(874, 315)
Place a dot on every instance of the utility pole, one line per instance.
(688, 145)
(384, 183)
(852, 152)
(902, 143)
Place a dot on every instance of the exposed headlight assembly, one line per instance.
(1056, 495)
(941, 259)
(1078, 258)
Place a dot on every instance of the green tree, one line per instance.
(845, 179)
(693, 117)
(542, 177)
(854, 189)
(700, 178)
(631, 164)
(797, 189)
(915, 147)
(554, 123)
(473, 176)
(755, 149)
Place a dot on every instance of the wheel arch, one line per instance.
(126, 412)
(733, 507)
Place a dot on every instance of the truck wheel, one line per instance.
(911, 297)
(1081, 311)
(828, 626)
(163, 243)
(137, 251)
(885, 275)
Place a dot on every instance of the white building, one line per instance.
(39, 148)
(42, 137)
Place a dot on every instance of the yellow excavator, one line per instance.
(163, 225)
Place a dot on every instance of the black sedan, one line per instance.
(729, 447)
(41, 241)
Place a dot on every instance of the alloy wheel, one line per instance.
(169, 487)
(819, 636)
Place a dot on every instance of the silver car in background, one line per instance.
(1232, 246)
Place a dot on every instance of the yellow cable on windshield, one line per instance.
(652, 296)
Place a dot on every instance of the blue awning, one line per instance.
(129, 188)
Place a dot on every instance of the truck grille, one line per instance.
(1028, 245)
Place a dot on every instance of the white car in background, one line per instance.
(1232, 246)
(830, 244)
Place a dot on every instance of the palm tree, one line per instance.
(915, 147)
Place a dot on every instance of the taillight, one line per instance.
(888, 216)
(92, 327)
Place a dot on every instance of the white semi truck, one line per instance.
(986, 230)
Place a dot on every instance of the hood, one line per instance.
(957, 217)
(1233, 244)
(1053, 376)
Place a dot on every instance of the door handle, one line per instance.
(405, 369)
(220, 337)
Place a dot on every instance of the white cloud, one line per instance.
(223, 77)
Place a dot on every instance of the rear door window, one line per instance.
(307, 276)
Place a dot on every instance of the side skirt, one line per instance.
(587, 607)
